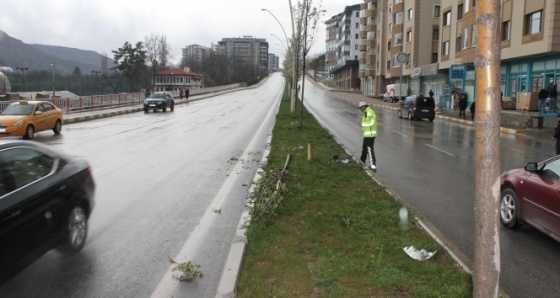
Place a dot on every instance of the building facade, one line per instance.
(246, 50)
(273, 62)
(341, 59)
(195, 54)
(177, 78)
(438, 38)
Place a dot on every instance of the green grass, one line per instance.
(334, 232)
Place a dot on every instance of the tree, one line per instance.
(131, 61)
(77, 73)
(104, 65)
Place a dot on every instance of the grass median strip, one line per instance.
(333, 232)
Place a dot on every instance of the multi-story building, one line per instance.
(438, 38)
(344, 50)
(246, 50)
(273, 62)
(331, 43)
(195, 54)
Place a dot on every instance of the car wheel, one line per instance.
(145, 110)
(57, 127)
(400, 114)
(509, 209)
(164, 108)
(431, 119)
(409, 115)
(172, 108)
(29, 132)
(75, 230)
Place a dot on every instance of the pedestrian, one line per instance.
(431, 93)
(543, 94)
(557, 135)
(553, 96)
(462, 105)
(369, 131)
(187, 94)
(473, 108)
(147, 93)
(181, 93)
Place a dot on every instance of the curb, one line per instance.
(227, 288)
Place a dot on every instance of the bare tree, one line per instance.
(164, 52)
(104, 65)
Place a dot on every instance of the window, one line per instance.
(437, 11)
(356, 47)
(460, 11)
(408, 36)
(409, 12)
(533, 22)
(445, 48)
(435, 34)
(357, 25)
(473, 3)
(473, 35)
(22, 166)
(399, 18)
(398, 39)
(434, 57)
(447, 18)
(466, 6)
(506, 30)
(356, 36)
(465, 38)
(357, 14)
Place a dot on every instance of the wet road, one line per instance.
(431, 166)
(169, 184)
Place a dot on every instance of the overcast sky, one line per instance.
(105, 25)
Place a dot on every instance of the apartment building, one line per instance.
(438, 38)
(342, 57)
(273, 62)
(247, 50)
(195, 54)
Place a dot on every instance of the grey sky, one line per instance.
(105, 25)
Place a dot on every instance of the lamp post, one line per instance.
(23, 69)
(53, 86)
(294, 58)
(96, 80)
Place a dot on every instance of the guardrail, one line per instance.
(99, 102)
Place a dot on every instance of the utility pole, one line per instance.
(486, 272)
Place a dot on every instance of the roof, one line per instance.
(178, 72)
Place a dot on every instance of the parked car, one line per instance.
(46, 198)
(418, 107)
(159, 100)
(530, 195)
(25, 118)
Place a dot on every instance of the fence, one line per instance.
(98, 102)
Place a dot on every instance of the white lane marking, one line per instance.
(442, 151)
(399, 133)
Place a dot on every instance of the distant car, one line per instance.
(46, 198)
(25, 118)
(159, 100)
(418, 107)
(531, 195)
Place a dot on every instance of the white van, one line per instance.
(393, 92)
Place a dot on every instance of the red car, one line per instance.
(532, 195)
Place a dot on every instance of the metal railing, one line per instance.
(99, 102)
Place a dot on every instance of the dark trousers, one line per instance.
(558, 146)
(367, 151)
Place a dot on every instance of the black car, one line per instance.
(46, 198)
(159, 100)
(418, 107)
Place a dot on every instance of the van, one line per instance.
(418, 107)
(394, 92)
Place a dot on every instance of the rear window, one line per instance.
(426, 102)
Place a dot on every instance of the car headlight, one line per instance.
(145, 102)
(18, 123)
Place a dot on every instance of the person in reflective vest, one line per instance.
(369, 130)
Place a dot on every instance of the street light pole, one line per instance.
(96, 80)
(53, 86)
(23, 69)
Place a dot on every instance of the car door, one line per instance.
(49, 115)
(40, 118)
(29, 214)
(541, 204)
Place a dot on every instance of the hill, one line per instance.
(15, 53)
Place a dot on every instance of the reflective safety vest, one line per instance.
(369, 123)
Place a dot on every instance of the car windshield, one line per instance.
(157, 95)
(18, 110)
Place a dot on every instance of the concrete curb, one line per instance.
(227, 288)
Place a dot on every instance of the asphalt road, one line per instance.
(169, 185)
(431, 166)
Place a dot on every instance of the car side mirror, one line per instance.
(531, 167)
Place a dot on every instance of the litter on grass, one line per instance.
(337, 159)
(420, 255)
